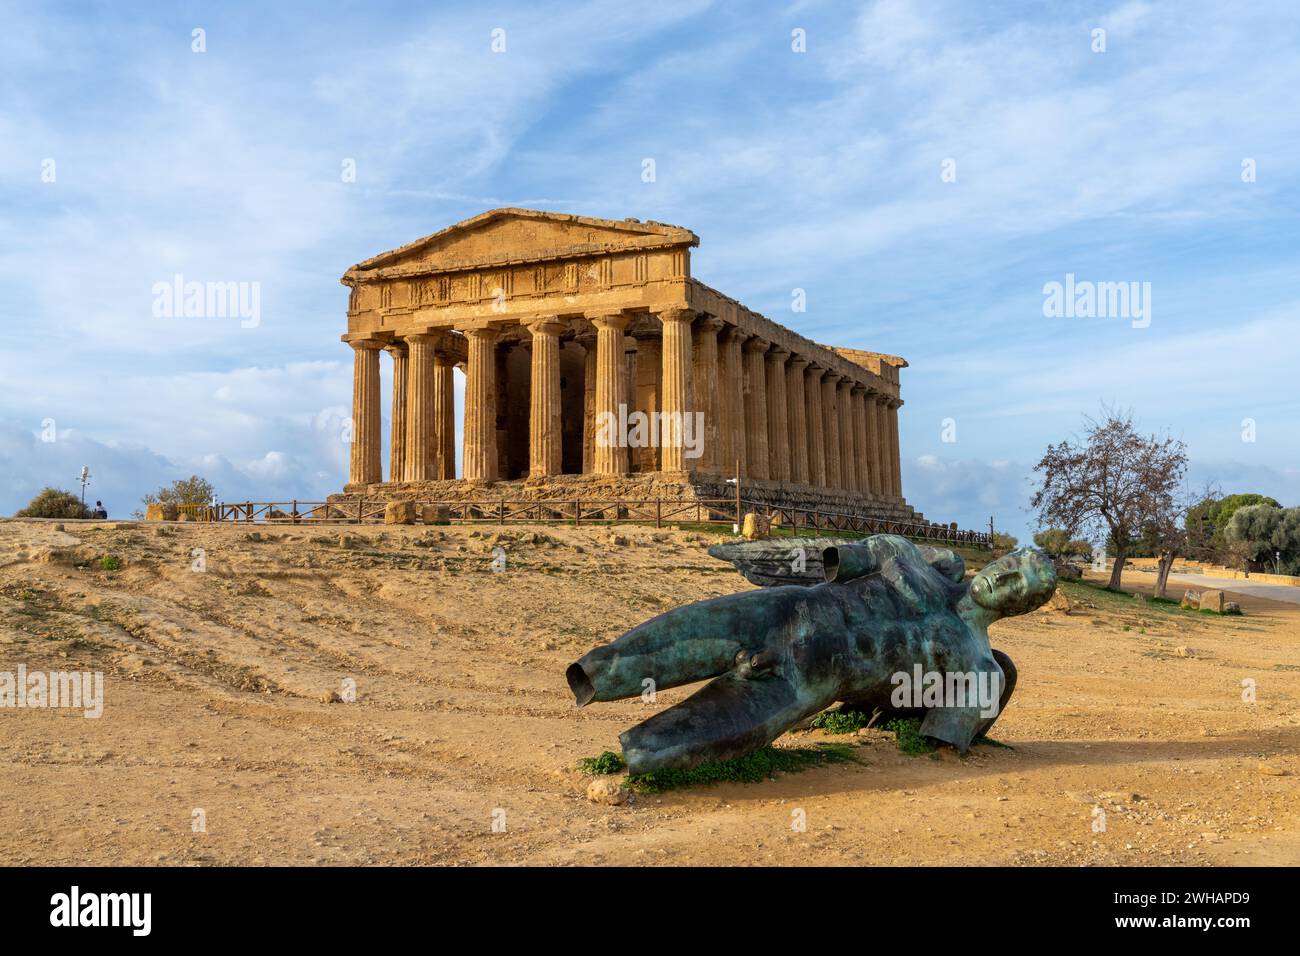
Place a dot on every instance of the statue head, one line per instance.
(1015, 583)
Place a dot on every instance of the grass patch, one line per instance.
(750, 768)
(907, 734)
(608, 762)
(840, 721)
(110, 563)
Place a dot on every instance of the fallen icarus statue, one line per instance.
(882, 625)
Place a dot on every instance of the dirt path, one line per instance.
(222, 690)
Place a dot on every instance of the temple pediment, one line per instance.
(504, 236)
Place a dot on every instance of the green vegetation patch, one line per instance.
(751, 768)
(908, 736)
(110, 563)
(608, 762)
(840, 721)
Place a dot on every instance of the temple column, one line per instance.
(397, 425)
(420, 422)
(675, 385)
(588, 342)
(708, 400)
(895, 458)
(444, 417)
(609, 453)
(816, 426)
(545, 439)
(848, 461)
(732, 404)
(831, 430)
(756, 408)
(796, 419)
(879, 439)
(480, 452)
(861, 448)
(778, 430)
(364, 467)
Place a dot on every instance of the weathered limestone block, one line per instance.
(1191, 599)
(1212, 600)
(399, 512)
(435, 514)
(756, 526)
(1057, 603)
(160, 512)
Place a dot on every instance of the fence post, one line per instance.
(659, 512)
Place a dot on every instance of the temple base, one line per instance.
(668, 486)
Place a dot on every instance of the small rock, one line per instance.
(1270, 771)
(1184, 651)
(608, 791)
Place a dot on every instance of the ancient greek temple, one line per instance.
(596, 364)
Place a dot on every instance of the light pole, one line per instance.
(85, 480)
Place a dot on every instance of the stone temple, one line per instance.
(597, 366)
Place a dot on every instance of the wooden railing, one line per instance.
(656, 511)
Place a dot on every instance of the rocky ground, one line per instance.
(226, 691)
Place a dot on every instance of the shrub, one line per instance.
(54, 503)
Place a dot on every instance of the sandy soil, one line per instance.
(221, 695)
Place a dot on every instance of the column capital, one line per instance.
(609, 320)
(709, 323)
(755, 344)
(894, 402)
(733, 333)
(798, 363)
(483, 334)
(858, 388)
(545, 325)
(395, 347)
(676, 314)
(779, 355)
(816, 371)
(367, 344)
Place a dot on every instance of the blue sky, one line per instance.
(818, 170)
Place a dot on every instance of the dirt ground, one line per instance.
(223, 685)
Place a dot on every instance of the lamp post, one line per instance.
(85, 480)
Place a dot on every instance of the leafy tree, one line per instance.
(1058, 543)
(1002, 541)
(185, 491)
(1260, 533)
(54, 503)
(1207, 523)
(1113, 482)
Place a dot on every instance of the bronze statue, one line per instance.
(862, 623)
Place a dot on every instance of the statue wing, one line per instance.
(772, 562)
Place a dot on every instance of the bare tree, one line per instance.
(1113, 482)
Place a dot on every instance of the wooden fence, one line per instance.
(656, 511)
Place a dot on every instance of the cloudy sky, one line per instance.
(922, 170)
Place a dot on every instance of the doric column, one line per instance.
(880, 464)
(732, 389)
(545, 439)
(816, 426)
(708, 400)
(397, 424)
(756, 408)
(831, 429)
(778, 429)
(861, 450)
(796, 419)
(444, 416)
(364, 466)
(480, 453)
(588, 342)
(675, 397)
(420, 419)
(844, 413)
(895, 458)
(608, 449)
